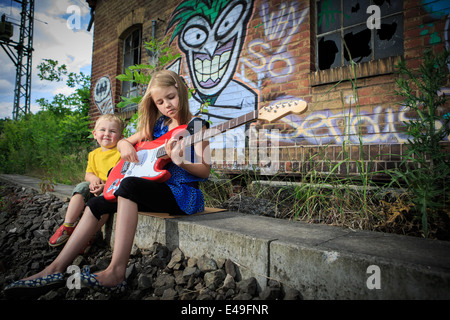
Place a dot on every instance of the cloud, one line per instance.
(53, 39)
(6, 87)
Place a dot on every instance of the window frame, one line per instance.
(131, 89)
(377, 66)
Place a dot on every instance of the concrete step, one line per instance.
(322, 262)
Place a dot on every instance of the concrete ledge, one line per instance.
(322, 262)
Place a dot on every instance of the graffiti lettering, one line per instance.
(325, 127)
(383, 125)
(280, 25)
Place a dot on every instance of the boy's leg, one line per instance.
(76, 206)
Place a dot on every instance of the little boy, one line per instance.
(107, 131)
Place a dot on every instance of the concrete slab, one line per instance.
(60, 190)
(322, 262)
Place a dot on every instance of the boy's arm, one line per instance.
(95, 183)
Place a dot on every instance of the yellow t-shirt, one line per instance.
(100, 162)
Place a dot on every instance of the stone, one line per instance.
(248, 286)
(177, 257)
(292, 294)
(163, 282)
(230, 268)
(190, 271)
(206, 264)
(229, 282)
(169, 294)
(26, 251)
(214, 278)
(270, 293)
(144, 282)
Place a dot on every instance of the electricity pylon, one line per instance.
(20, 53)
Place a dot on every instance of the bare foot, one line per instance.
(108, 278)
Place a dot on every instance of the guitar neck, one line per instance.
(269, 114)
(209, 133)
(225, 126)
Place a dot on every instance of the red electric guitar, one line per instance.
(150, 153)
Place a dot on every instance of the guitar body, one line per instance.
(150, 167)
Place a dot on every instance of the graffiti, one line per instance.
(328, 127)
(434, 36)
(436, 8)
(103, 96)
(211, 34)
(382, 125)
(269, 57)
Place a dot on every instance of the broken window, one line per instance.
(131, 56)
(360, 30)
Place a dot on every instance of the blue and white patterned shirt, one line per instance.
(183, 184)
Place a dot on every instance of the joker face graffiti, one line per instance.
(211, 34)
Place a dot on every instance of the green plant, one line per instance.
(141, 74)
(41, 143)
(425, 165)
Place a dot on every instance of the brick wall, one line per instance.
(273, 61)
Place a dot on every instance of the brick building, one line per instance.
(242, 55)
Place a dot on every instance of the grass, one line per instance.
(326, 199)
(345, 201)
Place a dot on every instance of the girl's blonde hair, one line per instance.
(149, 113)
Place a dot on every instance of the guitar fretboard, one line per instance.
(269, 113)
(214, 131)
(227, 125)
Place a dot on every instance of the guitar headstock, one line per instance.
(281, 109)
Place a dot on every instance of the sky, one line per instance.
(57, 36)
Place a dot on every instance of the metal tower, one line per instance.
(21, 53)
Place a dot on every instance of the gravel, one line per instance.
(28, 219)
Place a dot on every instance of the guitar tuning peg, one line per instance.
(277, 106)
(289, 104)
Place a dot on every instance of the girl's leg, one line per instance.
(85, 230)
(126, 223)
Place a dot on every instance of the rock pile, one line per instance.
(28, 219)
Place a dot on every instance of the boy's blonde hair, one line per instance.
(110, 117)
(149, 113)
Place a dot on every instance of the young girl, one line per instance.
(163, 108)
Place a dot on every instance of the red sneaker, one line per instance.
(61, 236)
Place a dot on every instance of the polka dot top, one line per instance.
(183, 184)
